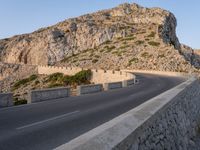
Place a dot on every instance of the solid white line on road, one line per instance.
(47, 120)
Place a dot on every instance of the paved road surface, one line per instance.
(47, 125)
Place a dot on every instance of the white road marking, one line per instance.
(47, 120)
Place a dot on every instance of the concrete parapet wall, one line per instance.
(87, 89)
(52, 69)
(112, 85)
(98, 76)
(48, 94)
(168, 121)
(6, 99)
(127, 83)
(102, 76)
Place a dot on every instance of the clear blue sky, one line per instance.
(24, 16)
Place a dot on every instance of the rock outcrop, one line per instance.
(127, 36)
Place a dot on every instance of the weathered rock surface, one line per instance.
(127, 36)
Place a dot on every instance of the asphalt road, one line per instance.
(47, 125)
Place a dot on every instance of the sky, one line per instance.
(25, 16)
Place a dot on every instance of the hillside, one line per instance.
(127, 36)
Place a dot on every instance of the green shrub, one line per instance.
(95, 60)
(109, 49)
(91, 54)
(123, 47)
(68, 58)
(24, 81)
(135, 60)
(55, 77)
(106, 42)
(145, 54)
(53, 85)
(152, 43)
(33, 77)
(161, 56)
(129, 38)
(139, 42)
(37, 82)
(146, 39)
(102, 50)
(83, 76)
(97, 56)
(152, 34)
(20, 101)
(118, 53)
(75, 60)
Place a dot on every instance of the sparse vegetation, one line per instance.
(66, 59)
(129, 38)
(97, 56)
(139, 42)
(118, 53)
(109, 49)
(37, 82)
(123, 47)
(133, 60)
(152, 34)
(145, 54)
(23, 82)
(19, 101)
(152, 43)
(95, 60)
(161, 56)
(146, 39)
(59, 79)
(106, 42)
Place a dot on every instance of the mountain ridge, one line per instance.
(139, 34)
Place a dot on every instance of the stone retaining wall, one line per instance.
(169, 121)
(98, 76)
(48, 94)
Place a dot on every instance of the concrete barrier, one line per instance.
(127, 83)
(48, 94)
(87, 89)
(137, 81)
(6, 99)
(168, 121)
(112, 85)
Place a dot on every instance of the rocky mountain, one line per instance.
(127, 36)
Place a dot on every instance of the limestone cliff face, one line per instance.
(70, 37)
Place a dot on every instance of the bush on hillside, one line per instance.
(24, 81)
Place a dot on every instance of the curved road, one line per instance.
(47, 125)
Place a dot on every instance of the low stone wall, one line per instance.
(6, 100)
(48, 94)
(52, 69)
(168, 121)
(87, 89)
(98, 76)
(112, 85)
(105, 76)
